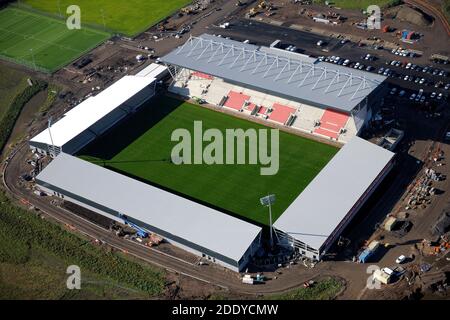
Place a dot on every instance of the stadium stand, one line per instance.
(281, 113)
(236, 100)
(203, 75)
(331, 123)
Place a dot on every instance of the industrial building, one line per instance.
(282, 87)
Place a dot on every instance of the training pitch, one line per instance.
(129, 17)
(42, 42)
(141, 146)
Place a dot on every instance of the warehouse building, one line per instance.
(97, 114)
(193, 227)
(283, 87)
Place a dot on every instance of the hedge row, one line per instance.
(11, 115)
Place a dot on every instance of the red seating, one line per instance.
(236, 100)
(202, 75)
(331, 123)
(262, 110)
(251, 107)
(280, 113)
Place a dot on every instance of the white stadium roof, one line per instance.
(93, 109)
(319, 209)
(152, 71)
(293, 76)
(201, 225)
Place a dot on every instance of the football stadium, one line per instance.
(112, 153)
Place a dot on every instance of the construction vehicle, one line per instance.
(251, 13)
(139, 231)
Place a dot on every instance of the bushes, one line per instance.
(22, 230)
(326, 289)
(11, 115)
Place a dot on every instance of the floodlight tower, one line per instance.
(52, 151)
(267, 201)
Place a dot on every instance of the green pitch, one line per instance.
(42, 42)
(140, 147)
(128, 17)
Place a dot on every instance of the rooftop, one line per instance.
(295, 76)
(93, 109)
(178, 216)
(319, 209)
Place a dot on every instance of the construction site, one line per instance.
(278, 64)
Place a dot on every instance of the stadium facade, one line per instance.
(283, 87)
(232, 75)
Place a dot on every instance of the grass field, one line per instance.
(128, 17)
(139, 146)
(47, 43)
(34, 256)
(12, 83)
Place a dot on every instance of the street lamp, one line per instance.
(267, 201)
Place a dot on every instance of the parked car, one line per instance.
(401, 93)
(400, 259)
(412, 97)
(393, 91)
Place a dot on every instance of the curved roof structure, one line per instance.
(294, 76)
